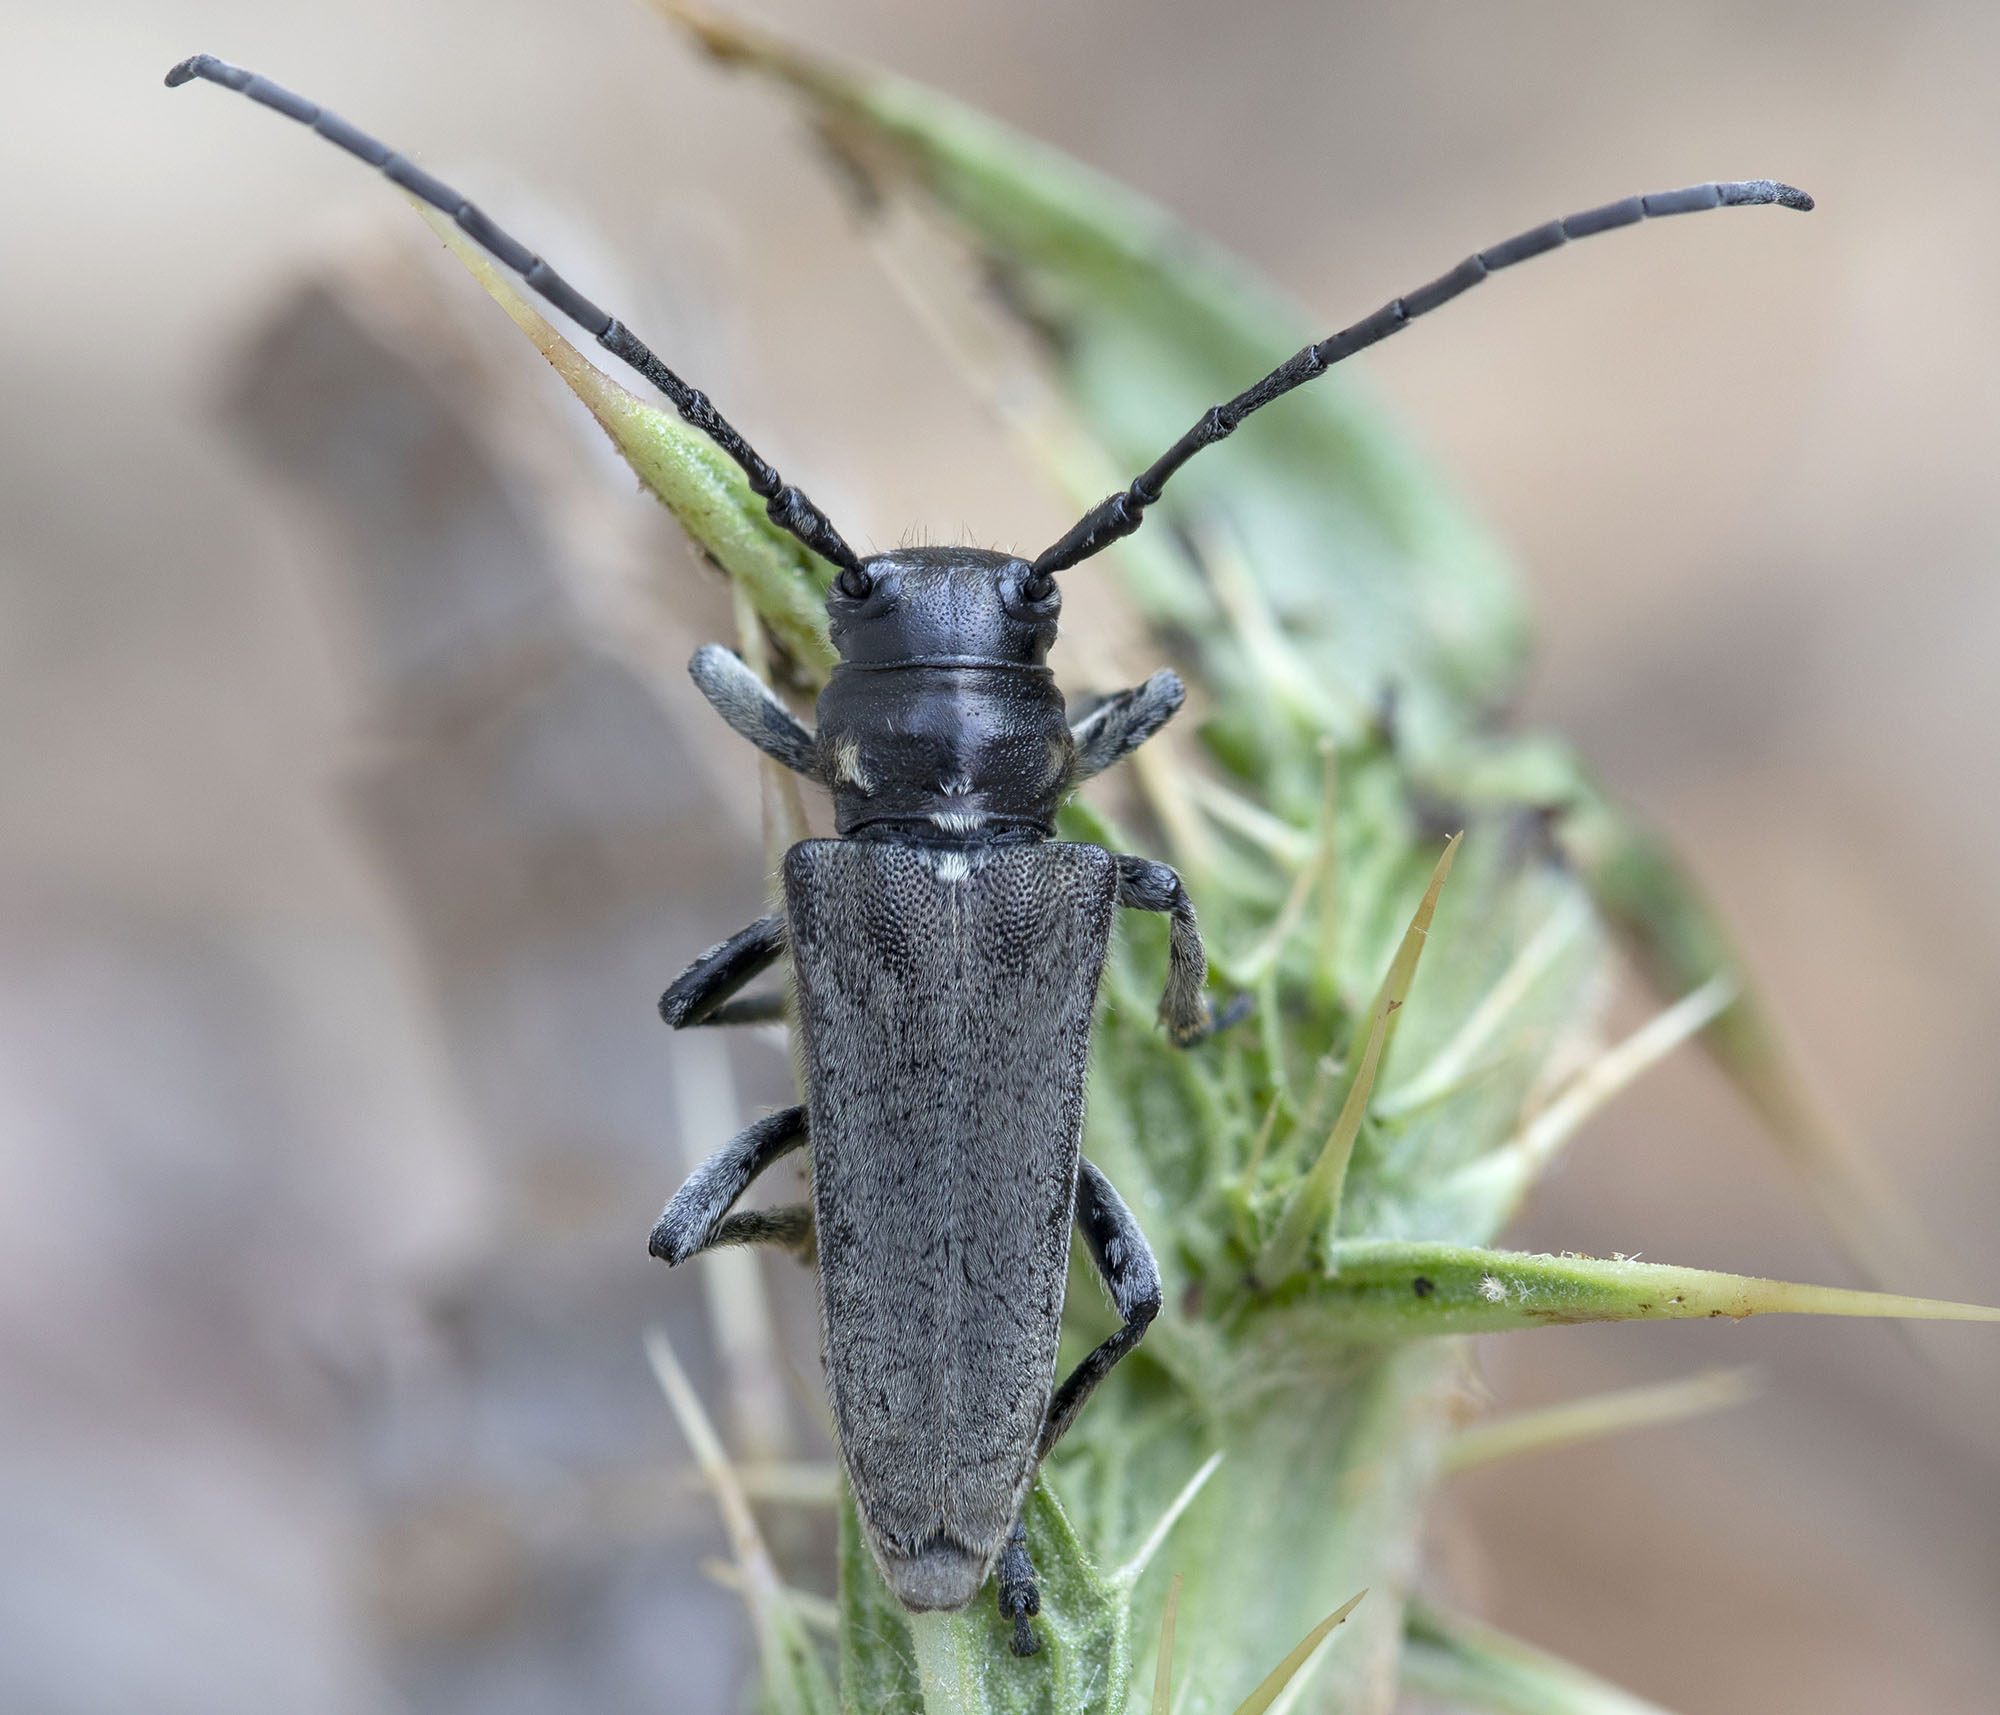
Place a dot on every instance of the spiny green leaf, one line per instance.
(1318, 1195)
(1330, 578)
(685, 471)
(1393, 1289)
(1378, 581)
(1282, 1675)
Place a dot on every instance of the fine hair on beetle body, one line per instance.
(946, 950)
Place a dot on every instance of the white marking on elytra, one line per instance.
(953, 866)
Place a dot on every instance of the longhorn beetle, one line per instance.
(946, 951)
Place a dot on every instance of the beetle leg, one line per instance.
(698, 995)
(1125, 1264)
(789, 1227)
(752, 710)
(698, 1216)
(1184, 1009)
(751, 1009)
(1123, 721)
(1020, 1600)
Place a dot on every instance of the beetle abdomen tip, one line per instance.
(941, 1575)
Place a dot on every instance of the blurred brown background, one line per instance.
(343, 860)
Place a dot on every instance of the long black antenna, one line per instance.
(1123, 512)
(789, 509)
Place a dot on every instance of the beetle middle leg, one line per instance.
(698, 1217)
(1126, 1266)
(700, 994)
(1184, 1009)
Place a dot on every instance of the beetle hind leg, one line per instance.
(1020, 1600)
(1126, 1265)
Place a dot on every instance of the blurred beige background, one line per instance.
(320, 1295)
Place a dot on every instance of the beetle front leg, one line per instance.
(698, 1218)
(1123, 721)
(700, 994)
(1184, 1009)
(752, 710)
(1126, 1266)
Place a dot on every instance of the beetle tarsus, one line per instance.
(1231, 1012)
(1020, 1599)
(1144, 885)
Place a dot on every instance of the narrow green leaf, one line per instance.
(1128, 1575)
(1280, 1676)
(1462, 1662)
(685, 471)
(1588, 1419)
(1393, 1289)
(1317, 1198)
(1501, 1178)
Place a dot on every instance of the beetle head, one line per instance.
(968, 605)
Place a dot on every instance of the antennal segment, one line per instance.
(1123, 512)
(787, 507)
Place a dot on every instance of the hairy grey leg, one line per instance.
(1147, 886)
(1125, 1264)
(753, 711)
(698, 1216)
(700, 994)
(789, 1227)
(1020, 1600)
(1123, 721)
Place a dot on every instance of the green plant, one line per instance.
(1324, 1185)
